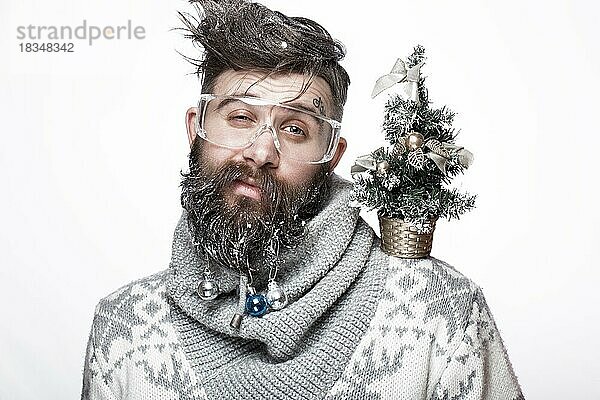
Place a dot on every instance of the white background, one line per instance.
(93, 142)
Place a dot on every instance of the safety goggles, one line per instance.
(236, 122)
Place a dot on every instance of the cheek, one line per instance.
(295, 173)
(215, 155)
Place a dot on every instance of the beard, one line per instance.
(240, 232)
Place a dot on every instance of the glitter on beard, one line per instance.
(238, 232)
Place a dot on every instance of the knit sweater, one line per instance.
(359, 325)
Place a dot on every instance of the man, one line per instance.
(276, 287)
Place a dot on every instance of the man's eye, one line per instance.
(294, 130)
(240, 118)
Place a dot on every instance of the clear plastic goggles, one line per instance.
(236, 122)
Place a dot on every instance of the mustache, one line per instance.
(213, 182)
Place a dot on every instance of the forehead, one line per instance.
(281, 88)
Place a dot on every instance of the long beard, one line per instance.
(243, 233)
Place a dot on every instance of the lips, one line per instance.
(247, 187)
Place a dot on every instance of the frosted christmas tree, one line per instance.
(407, 181)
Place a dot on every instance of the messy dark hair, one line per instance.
(240, 35)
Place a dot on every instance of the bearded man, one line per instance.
(276, 287)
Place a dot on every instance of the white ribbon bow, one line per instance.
(362, 164)
(399, 74)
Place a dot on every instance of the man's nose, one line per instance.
(262, 152)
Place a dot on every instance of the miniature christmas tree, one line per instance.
(407, 181)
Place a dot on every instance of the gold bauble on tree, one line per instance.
(382, 167)
(414, 140)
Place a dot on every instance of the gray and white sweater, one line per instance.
(359, 325)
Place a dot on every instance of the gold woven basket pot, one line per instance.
(402, 239)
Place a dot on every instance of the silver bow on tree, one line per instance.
(440, 152)
(399, 74)
(363, 164)
(412, 144)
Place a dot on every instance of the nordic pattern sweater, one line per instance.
(359, 325)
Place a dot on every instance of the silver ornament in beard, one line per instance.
(240, 232)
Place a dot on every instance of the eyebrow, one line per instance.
(224, 102)
(292, 103)
(301, 106)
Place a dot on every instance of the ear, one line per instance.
(190, 124)
(339, 151)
